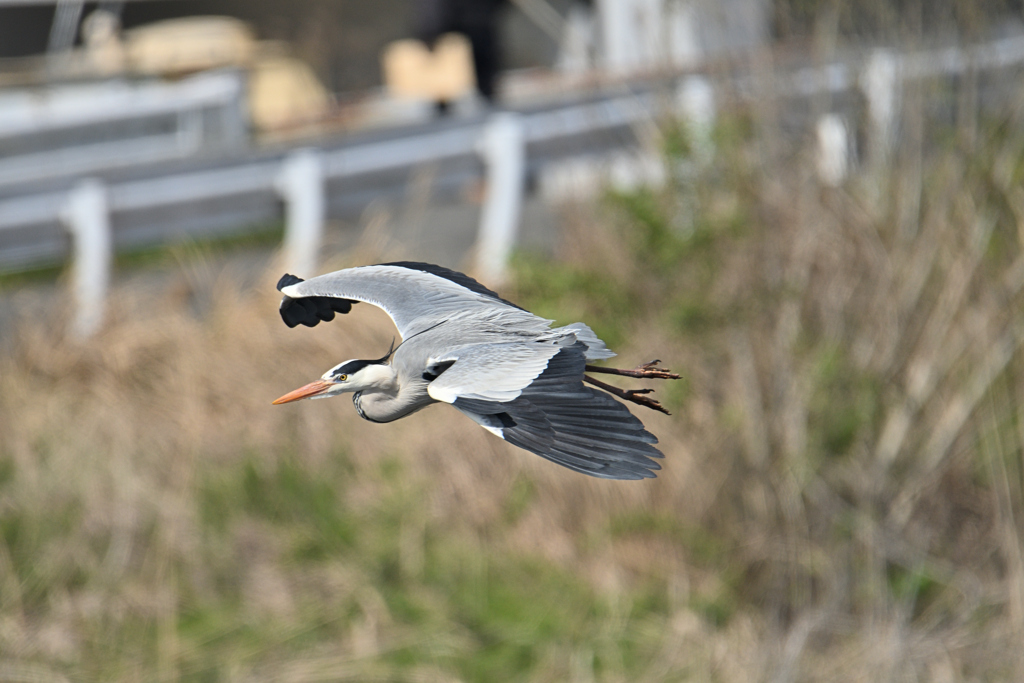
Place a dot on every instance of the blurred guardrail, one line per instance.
(159, 204)
(151, 204)
(90, 218)
(93, 127)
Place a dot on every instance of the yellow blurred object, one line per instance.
(284, 91)
(104, 50)
(412, 70)
(189, 44)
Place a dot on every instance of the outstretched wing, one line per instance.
(415, 295)
(558, 418)
(492, 371)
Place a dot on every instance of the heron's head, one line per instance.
(347, 377)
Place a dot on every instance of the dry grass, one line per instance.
(841, 497)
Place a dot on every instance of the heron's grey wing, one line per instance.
(494, 371)
(415, 295)
(560, 419)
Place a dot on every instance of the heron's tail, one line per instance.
(596, 349)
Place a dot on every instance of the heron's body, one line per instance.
(502, 366)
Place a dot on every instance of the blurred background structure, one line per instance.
(812, 209)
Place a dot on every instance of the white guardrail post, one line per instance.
(301, 185)
(503, 148)
(696, 101)
(833, 159)
(87, 217)
(880, 83)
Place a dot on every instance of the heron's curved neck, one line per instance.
(384, 398)
(378, 378)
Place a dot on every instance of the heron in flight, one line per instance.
(500, 365)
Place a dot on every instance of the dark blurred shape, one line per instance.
(478, 21)
(24, 30)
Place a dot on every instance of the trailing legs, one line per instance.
(642, 371)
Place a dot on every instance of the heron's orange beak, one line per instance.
(310, 390)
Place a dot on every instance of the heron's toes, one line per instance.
(644, 401)
(635, 395)
(650, 370)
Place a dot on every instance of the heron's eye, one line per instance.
(342, 378)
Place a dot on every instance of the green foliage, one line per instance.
(693, 316)
(30, 541)
(500, 615)
(288, 495)
(7, 469)
(520, 496)
(515, 609)
(703, 548)
(916, 587)
(716, 608)
(568, 294)
(662, 230)
(844, 402)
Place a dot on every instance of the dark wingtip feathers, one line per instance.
(287, 280)
(309, 310)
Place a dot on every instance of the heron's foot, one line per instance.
(634, 395)
(647, 370)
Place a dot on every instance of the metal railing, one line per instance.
(582, 124)
(94, 127)
(300, 177)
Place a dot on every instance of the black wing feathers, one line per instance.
(309, 310)
(560, 419)
(287, 280)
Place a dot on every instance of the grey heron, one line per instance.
(502, 366)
